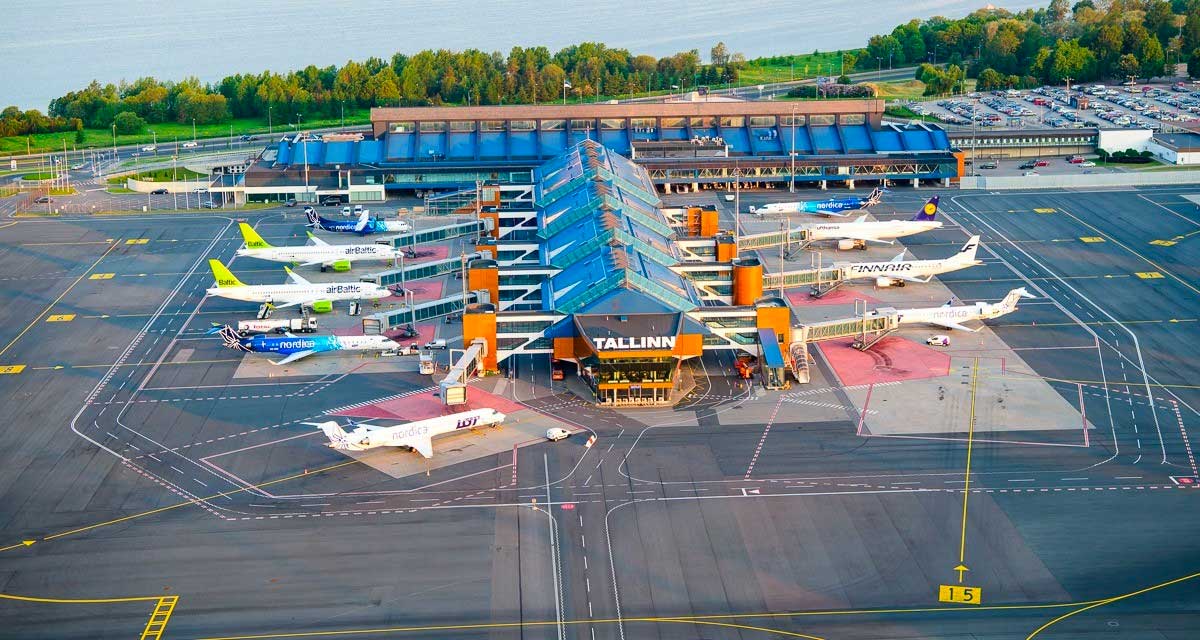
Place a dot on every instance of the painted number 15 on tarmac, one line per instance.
(959, 594)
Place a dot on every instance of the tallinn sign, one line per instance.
(625, 344)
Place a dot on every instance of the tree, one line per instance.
(1071, 60)
(1154, 61)
(719, 54)
(990, 79)
(78, 131)
(129, 122)
(1193, 63)
(1128, 65)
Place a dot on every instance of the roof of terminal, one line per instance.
(599, 221)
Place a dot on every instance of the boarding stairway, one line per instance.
(867, 330)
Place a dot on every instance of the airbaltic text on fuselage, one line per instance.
(650, 342)
(342, 288)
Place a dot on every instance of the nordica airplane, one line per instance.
(834, 207)
(301, 292)
(364, 226)
(296, 347)
(337, 256)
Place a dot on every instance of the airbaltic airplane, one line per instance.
(900, 271)
(365, 225)
(337, 256)
(417, 436)
(302, 292)
(952, 317)
(833, 207)
(857, 234)
(296, 347)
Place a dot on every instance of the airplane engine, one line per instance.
(846, 245)
(341, 265)
(883, 282)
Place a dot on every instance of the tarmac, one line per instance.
(137, 464)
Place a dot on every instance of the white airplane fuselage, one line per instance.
(322, 253)
(285, 293)
(874, 230)
(415, 435)
(904, 270)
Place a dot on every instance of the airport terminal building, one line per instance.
(682, 145)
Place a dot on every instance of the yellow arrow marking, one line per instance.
(65, 317)
(137, 241)
(12, 369)
(1092, 239)
(101, 276)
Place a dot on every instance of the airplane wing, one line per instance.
(898, 258)
(294, 357)
(423, 446)
(316, 241)
(953, 326)
(295, 302)
(297, 278)
(312, 263)
(832, 214)
(865, 238)
(912, 279)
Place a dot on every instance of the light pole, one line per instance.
(193, 129)
(343, 114)
(114, 142)
(566, 85)
(737, 203)
(792, 180)
(270, 129)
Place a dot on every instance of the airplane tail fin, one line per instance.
(928, 211)
(967, 252)
(314, 218)
(1009, 303)
(333, 431)
(223, 276)
(875, 196)
(253, 240)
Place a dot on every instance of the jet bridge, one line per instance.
(418, 271)
(453, 388)
(409, 313)
(439, 234)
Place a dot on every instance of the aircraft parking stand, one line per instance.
(165, 465)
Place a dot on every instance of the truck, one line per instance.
(281, 325)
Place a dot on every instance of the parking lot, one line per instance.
(1127, 106)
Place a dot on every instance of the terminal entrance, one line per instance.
(631, 381)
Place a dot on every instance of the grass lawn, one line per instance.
(69, 191)
(160, 175)
(899, 111)
(785, 68)
(119, 190)
(45, 175)
(905, 90)
(167, 133)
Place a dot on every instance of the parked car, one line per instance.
(938, 341)
(1087, 163)
(290, 202)
(990, 165)
(1075, 159)
(331, 201)
(346, 211)
(1028, 164)
(44, 200)
(191, 144)
(158, 192)
(1031, 173)
(439, 343)
(148, 148)
(209, 205)
(554, 434)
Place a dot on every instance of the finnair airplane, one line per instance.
(952, 317)
(300, 292)
(336, 256)
(364, 226)
(856, 235)
(417, 436)
(833, 207)
(297, 347)
(899, 271)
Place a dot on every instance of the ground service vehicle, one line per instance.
(281, 325)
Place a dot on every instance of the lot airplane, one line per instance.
(300, 292)
(833, 207)
(365, 225)
(899, 271)
(952, 317)
(856, 234)
(297, 347)
(417, 436)
(336, 256)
